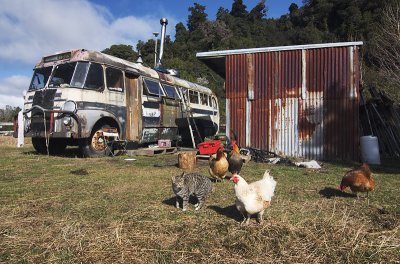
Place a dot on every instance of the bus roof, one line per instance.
(136, 68)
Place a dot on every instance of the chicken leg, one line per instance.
(260, 217)
(246, 220)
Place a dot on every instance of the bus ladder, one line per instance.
(189, 113)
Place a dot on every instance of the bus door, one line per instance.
(133, 102)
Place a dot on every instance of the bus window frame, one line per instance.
(214, 102)
(101, 88)
(115, 89)
(204, 95)
(147, 89)
(176, 97)
(190, 96)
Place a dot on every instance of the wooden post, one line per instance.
(187, 160)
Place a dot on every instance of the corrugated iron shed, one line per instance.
(299, 101)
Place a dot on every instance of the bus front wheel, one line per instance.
(54, 145)
(95, 145)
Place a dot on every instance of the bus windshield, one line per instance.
(40, 77)
(77, 74)
(62, 75)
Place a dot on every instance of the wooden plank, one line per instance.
(150, 151)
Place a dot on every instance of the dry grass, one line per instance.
(8, 141)
(72, 210)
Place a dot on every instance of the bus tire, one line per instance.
(39, 144)
(56, 146)
(95, 146)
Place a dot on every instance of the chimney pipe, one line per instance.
(164, 23)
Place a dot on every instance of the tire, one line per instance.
(39, 144)
(56, 146)
(95, 145)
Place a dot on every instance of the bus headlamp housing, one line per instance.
(67, 120)
(69, 106)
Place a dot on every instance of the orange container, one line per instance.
(209, 147)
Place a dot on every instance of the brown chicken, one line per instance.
(219, 165)
(235, 159)
(359, 180)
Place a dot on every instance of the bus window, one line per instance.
(193, 97)
(214, 103)
(40, 77)
(94, 78)
(114, 79)
(62, 75)
(204, 99)
(153, 87)
(170, 91)
(80, 74)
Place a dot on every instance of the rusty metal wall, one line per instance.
(301, 103)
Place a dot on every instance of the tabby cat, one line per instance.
(191, 184)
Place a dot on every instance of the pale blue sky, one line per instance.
(32, 29)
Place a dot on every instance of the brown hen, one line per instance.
(359, 180)
(219, 165)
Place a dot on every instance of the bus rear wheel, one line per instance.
(95, 145)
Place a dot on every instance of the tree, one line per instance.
(181, 35)
(238, 9)
(197, 16)
(387, 47)
(122, 51)
(8, 114)
(258, 12)
(215, 33)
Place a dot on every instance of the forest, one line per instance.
(376, 23)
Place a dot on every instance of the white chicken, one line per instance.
(255, 197)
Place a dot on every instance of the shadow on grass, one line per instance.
(329, 192)
(229, 211)
(68, 153)
(171, 201)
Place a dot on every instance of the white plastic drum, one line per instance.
(370, 150)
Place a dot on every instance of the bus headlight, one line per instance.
(67, 120)
(69, 106)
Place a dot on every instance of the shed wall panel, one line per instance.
(321, 124)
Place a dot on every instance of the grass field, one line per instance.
(109, 210)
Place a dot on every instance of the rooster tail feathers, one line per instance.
(269, 185)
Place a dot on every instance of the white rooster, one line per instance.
(253, 198)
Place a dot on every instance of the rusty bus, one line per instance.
(75, 95)
(82, 97)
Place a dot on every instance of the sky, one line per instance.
(32, 29)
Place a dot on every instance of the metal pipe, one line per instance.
(164, 23)
(155, 48)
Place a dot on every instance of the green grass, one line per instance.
(109, 210)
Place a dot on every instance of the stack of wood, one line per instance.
(380, 117)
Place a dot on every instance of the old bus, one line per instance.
(76, 96)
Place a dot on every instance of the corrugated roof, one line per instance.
(216, 59)
(279, 48)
